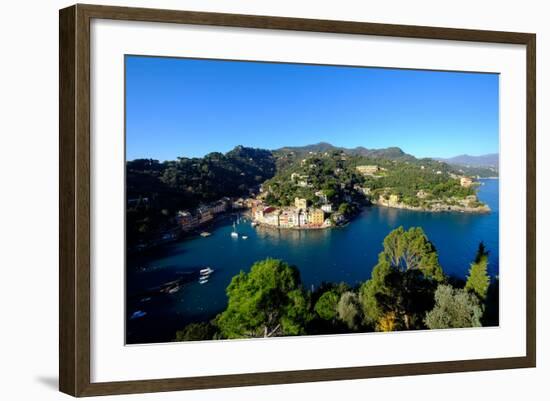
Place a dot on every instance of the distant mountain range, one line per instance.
(392, 153)
(483, 166)
(488, 160)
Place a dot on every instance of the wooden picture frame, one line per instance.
(74, 204)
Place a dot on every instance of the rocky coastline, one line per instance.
(437, 206)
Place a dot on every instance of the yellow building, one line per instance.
(300, 203)
(316, 217)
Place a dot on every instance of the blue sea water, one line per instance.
(343, 254)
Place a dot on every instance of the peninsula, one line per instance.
(310, 187)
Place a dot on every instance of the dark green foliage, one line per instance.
(407, 291)
(335, 176)
(408, 296)
(345, 209)
(491, 311)
(412, 250)
(328, 308)
(454, 308)
(407, 270)
(267, 301)
(407, 178)
(201, 179)
(369, 289)
(334, 172)
(478, 279)
(196, 332)
(185, 183)
(391, 153)
(325, 307)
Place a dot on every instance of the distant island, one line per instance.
(311, 187)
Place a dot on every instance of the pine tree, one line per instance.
(405, 251)
(267, 301)
(478, 279)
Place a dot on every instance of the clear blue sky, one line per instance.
(188, 107)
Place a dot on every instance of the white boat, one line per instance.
(205, 234)
(137, 314)
(174, 289)
(206, 271)
(254, 223)
(245, 237)
(234, 233)
(203, 280)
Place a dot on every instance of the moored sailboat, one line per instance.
(234, 233)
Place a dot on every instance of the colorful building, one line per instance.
(300, 203)
(205, 214)
(303, 219)
(186, 220)
(218, 207)
(316, 217)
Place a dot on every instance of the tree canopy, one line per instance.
(267, 301)
(185, 183)
(407, 290)
(454, 308)
(368, 290)
(326, 305)
(478, 279)
(408, 296)
(403, 279)
(412, 250)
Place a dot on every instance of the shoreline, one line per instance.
(484, 209)
(264, 225)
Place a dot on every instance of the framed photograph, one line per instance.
(250, 200)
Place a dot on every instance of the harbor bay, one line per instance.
(168, 289)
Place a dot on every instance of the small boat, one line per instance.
(203, 280)
(145, 299)
(205, 234)
(254, 223)
(234, 233)
(206, 271)
(244, 237)
(174, 289)
(137, 314)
